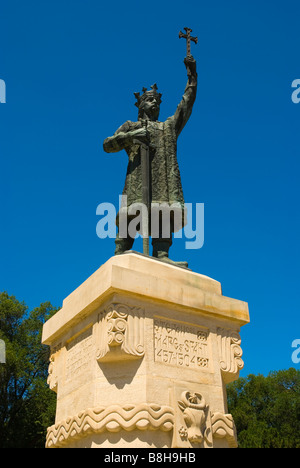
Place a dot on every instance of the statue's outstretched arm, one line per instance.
(184, 108)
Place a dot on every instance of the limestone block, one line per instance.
(140, 356)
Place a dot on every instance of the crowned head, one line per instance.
(148, 103)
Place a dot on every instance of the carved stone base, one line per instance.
(140, 356)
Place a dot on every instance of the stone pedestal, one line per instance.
(140, 356)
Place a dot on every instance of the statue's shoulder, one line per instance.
(126, 127)
(134, 124)
(129, 125)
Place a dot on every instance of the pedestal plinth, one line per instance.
(140, 356)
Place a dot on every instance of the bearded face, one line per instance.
(150, 108)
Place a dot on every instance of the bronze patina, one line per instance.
(153, 175)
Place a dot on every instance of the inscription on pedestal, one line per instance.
(79, 355)
(181, 344)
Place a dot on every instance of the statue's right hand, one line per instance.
(121, 140)
(140, 134)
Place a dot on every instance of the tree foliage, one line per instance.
(266, 410)
(27, 406)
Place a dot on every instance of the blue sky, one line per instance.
(71, 68)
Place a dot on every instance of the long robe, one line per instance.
(165, 180)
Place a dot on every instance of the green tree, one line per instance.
(266, 410)
(27, 406)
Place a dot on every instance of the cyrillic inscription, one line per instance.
(180, 345)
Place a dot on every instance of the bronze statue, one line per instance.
(153, 175)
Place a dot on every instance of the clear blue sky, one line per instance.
(71, 68)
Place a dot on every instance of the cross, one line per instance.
(188, 38)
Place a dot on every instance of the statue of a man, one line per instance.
(161, 139)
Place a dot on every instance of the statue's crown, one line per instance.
(152, 92)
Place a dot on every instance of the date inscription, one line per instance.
(181, 345)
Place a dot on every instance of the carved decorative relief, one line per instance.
(197, 427)
(52, 379)
(112, 419)
(193, 425)
(120, 333)
(230, 353)
(223, 427)
(193, 407)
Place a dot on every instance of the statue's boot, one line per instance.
(161, 251)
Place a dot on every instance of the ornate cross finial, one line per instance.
(188, 38)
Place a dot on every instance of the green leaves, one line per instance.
(27, 406)
(266, 410)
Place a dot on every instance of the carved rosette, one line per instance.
(120, 333)
(116, 327)
(230, 353)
